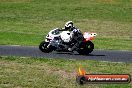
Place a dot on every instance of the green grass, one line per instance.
(19, 38)
(25, 22)
(113, 43)
(18, 72)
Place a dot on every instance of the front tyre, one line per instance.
(43, 47)
(85, 48)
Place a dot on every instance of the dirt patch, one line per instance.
(56, 71)
(15, 67)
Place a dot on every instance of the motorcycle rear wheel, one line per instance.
(43, 47)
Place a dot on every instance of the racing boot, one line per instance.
(72, 48)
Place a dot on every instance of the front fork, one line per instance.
(52, 43)
(48, 45)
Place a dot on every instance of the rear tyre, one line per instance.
(85, 48)
(43, 47)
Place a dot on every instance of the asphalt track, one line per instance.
(100, 55)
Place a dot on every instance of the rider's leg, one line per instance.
(73, 43)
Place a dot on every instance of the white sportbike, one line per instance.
(60, 41)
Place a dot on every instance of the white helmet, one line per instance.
(69, 25)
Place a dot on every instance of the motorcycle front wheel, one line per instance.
(43, 47)
(85, 48)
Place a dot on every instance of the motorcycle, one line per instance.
(59, 41)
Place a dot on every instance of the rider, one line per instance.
(74, 33)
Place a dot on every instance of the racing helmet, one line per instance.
(69, 25)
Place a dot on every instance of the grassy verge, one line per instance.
(24, 22)
(18, 72)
